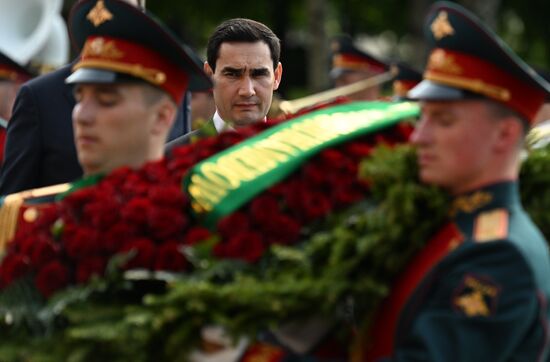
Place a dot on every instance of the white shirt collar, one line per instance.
(221, 125)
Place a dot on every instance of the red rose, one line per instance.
(314, 205)
(178, 165)
(51, 278)
(404, 131)
(155, 172)
(81, 242)
(280, 189)
(169, 257)
(233, 224)
(74, 203)
(331, 156)
(48, 214)
(181, 151)
(197, 234)
(145, 253)
(313, 174)
(263, 208)
(136, 210)
(114, 239)
(134, 186)
(281, 229)
(167, 195)
(245, 246)
(229, 138)
(102, 213)
(358, 150)
(43, 252)
(13, 267)
(166, 223)
(88, 267)
(117, 177)
(347, 194)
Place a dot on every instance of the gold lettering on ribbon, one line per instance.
(231, 171)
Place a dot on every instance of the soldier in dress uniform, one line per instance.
(351, 64)
(128, 81)
(12, 75)
(479, 289)
(405, 79)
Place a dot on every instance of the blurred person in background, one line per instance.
(12, 75)
(351, 64)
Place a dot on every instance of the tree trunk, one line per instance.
(317, 45)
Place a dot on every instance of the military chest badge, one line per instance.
(476, 296)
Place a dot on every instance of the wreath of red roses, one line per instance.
(145, 210)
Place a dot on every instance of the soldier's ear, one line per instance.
(166, 111)
(509, 133)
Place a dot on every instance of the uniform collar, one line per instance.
(497, 195)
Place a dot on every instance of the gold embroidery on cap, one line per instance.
(99, 14)
(441, 27)
(470, 203)
(102, 49)
(440, 60)
(491, 225)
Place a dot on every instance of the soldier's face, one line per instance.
(112, 126)
(455, 144)
(244, 81)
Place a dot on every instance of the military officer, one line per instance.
(405, 79)
(351, 64)
(479, 290)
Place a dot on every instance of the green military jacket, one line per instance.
(487, 300)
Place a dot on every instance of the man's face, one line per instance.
(454, 142)
(112, 126)
(349, 77)
(244, 82)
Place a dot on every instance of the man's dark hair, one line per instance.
(242, 31)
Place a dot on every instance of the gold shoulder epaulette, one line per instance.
(491, 225)
(11, 206)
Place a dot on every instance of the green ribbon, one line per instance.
(224, 182)
(86, 181)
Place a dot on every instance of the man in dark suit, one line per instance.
(40, 149)
(243, 62)
(479, 290)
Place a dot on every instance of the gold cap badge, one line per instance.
(441, 27)
(99, 14)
